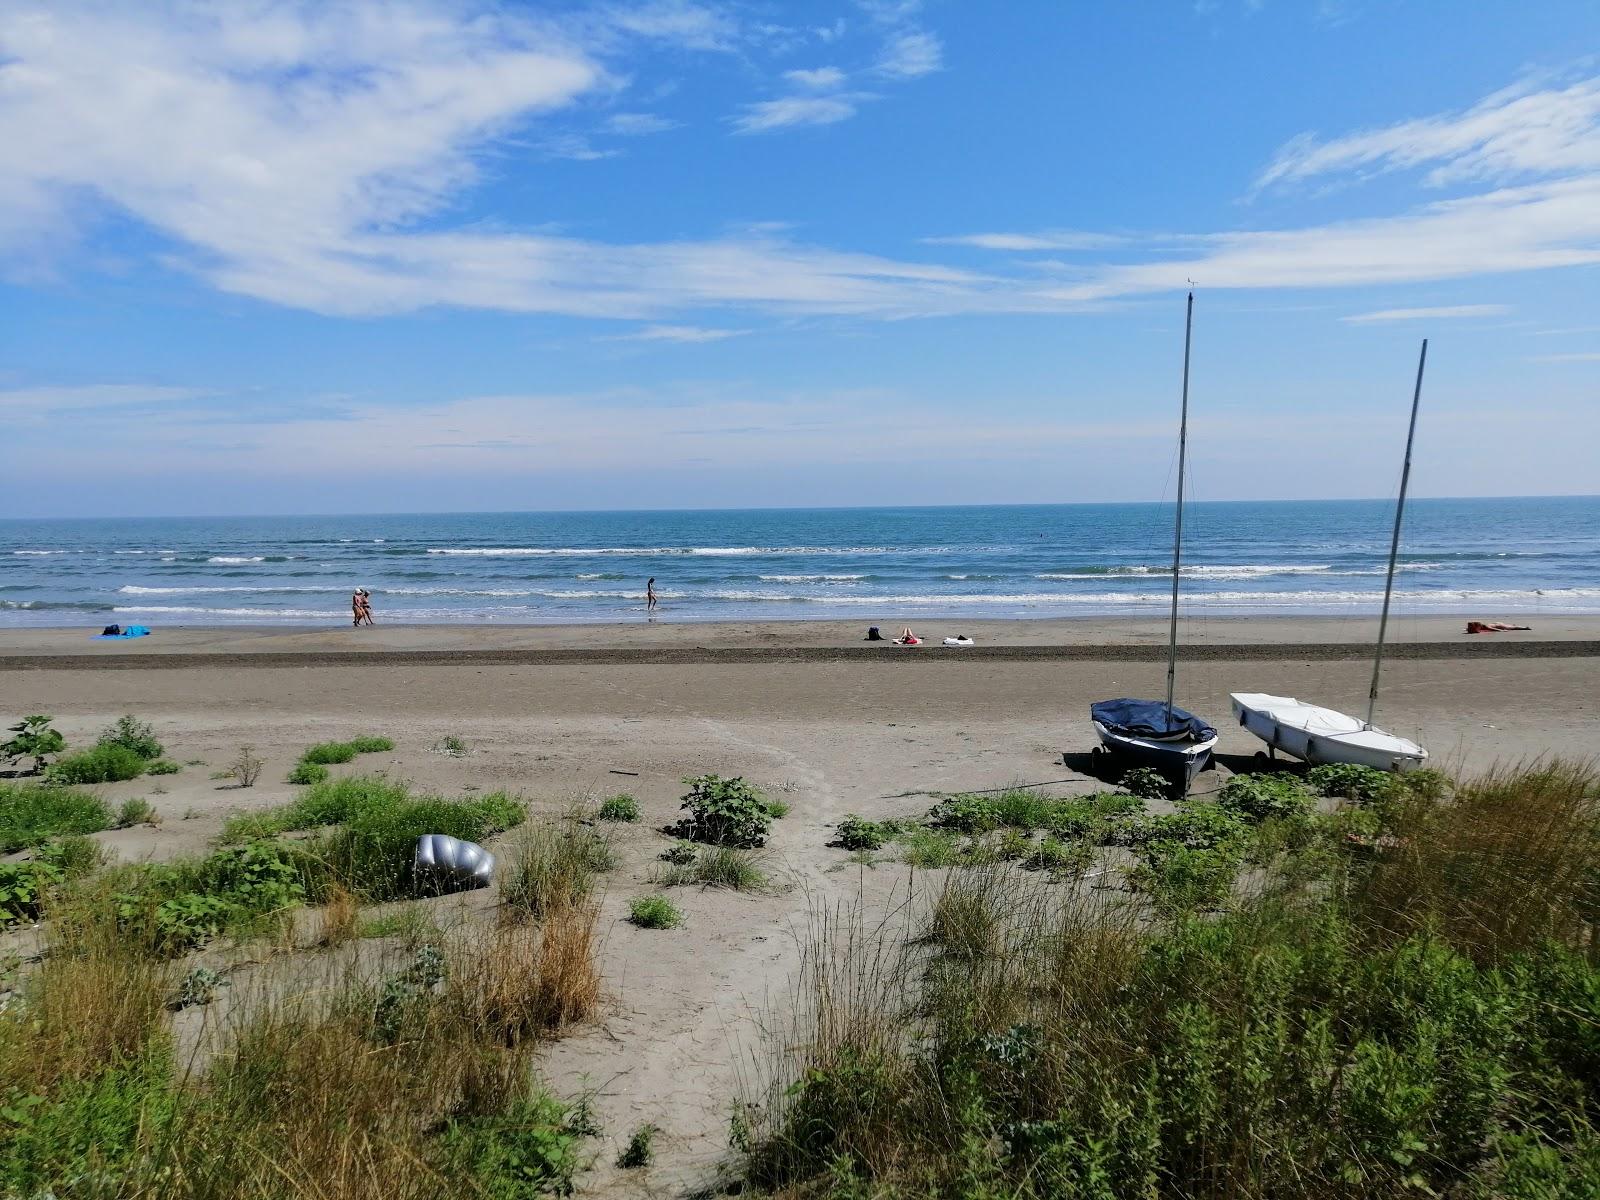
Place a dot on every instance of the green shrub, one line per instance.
(719, 866)
(933, 848)
(135, 811)
(724, 812)
(1258, 797)
(1056, 854)
(31, 814)
(777, 809)
(162, 766)
(857, 834)
(307, 772)
(619, 808)
(173, 907)
(32, 737)
(328, 753)
(132, 734)
(1147, 783)
(199, 986)
(680, 854)
(964, 814)
(654, 912)
(529, 1151)
(639, 1151)
(99, 764)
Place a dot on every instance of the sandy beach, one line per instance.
(562, 714)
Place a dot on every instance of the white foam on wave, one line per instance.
(649, 551)
(202, 610)
(810, 578)
(232, 560)
(38, 553)
(133, 589)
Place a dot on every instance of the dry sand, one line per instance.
(850, 732)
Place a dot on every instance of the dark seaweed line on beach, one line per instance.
(736, 655)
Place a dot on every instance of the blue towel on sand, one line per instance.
(128, 631)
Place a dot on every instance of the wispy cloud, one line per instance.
(908, 55)
(44, 402)
(1447, 312)
(693, 26)
(788, 111)
(820, 79)
(1519, 131)
(630, 124)
(1586, 356)
(678, 333)
(1052, 240)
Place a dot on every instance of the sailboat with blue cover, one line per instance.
(1156, 733)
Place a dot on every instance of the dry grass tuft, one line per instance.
(341, 917)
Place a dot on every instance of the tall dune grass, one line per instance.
(1402, 1000)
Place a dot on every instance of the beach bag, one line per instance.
(873, 635)
(111, 631)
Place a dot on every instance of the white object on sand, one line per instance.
(958, 641)
(1322, 735)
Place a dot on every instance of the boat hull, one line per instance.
(1178, 760)
(1323, 735)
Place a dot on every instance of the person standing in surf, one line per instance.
(650, 601)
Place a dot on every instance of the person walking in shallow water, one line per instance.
(650, 600)
(361, 607)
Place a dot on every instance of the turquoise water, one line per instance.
(886, 565)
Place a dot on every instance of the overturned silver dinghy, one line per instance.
(447, 864)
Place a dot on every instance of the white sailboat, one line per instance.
(1325, 735)
(1149, 733)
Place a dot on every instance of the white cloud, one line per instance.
(693, 26)
(1056, 240)
(789, 111)
(1448, 312)
(679, 333)
(1513, 229)
(1593, 356)
(1514, 132)
(629, 124)
(820, 79)
(910, 54)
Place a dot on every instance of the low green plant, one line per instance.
(98, 764)
(777, 809)
(1258, 797)
(199, 986)
(162, 766)
(680, 854)
(622, 808)
(1068, 856)
(721, 867)
(854, 833)
(31, 814)
(450, 746)
(329, 753)
(411, 923)
(26, 887)
(135, 811)
(724, 812)
(132, 734)
(1147, 783)
(530, 1150)
(307, 773)
(654, 912)
(932, 848)
(640, 1151)
(33, 737)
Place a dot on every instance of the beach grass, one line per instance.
(1350, 1020)
(33, 813)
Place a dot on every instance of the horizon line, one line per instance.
(515, 512)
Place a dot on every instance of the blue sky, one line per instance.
(442, 256)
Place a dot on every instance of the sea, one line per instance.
(1479, 557)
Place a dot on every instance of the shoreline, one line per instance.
(1126, 639)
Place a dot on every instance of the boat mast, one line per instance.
(1177, 532)
(1394, 542)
